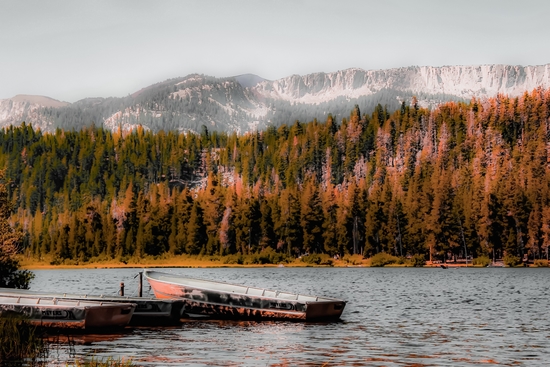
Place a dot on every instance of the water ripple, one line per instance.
(394, 317)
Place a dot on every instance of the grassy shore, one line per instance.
(186, 261)
(182, 261)
(177, 261)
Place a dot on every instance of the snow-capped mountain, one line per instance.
(461, 81)
(248, 102)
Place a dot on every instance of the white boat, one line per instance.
(149, 311)
(66, 313)
(219, 299)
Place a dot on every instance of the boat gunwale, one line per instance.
(96, 305)
(27, 293)
(326, 300)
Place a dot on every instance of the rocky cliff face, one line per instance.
(27, 108)
(461, 81)
(248, 102)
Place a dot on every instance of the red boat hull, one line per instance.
(239, 302)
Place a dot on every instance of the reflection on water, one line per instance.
(394, 317)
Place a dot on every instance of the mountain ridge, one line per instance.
(247, 102)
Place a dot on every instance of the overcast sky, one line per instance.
(69, 50)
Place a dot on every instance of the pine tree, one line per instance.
(213, 211)
(312, 218)
(182, 213)
(10, 239)
(267, 226)
(330, 227)
(196, 231)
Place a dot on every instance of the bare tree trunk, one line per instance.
(399, 234)
(355, 235)
(463, 241)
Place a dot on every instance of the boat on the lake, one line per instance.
(225, 300)
(148, 311)
(68, 314)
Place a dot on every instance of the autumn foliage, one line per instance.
(465, 178)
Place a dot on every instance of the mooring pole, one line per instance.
(140, 290)
(121, 289)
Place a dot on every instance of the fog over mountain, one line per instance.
(247, 102)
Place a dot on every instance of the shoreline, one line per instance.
(175, 262)
(29, 264)
(186, 261)
(179, 265)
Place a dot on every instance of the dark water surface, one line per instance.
(394, 317)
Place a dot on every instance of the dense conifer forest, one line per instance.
(463, 178)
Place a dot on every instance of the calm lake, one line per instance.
(394, 317)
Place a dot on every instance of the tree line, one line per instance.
(460, 179)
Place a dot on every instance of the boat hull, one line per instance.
(238, 302)
(156, 312)
(68, 314)
(148, 311)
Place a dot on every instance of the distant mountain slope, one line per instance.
(40, 100)
(28, 108)
(249, 80)
(246, 102)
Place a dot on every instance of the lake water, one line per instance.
(394, 317)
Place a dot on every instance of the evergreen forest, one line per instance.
(462, 179)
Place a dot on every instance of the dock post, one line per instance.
(121, 289)
(140, 290)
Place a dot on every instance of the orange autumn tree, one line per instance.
(10, 241)
(462, 178)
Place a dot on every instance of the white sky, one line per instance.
(69, 50)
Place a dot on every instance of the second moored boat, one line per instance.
(67, 314)
(219, 299)
(148, 311)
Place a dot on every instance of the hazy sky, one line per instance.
(70, 50)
